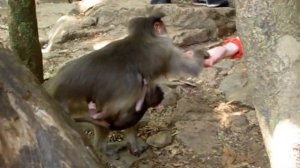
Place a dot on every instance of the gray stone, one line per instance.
(251, 116)
(185, 109)
(187, 17)
(188, 25)
(225, 64)
(49, 13)
(188, 37)
(170, 97)
(190, 109)
(161, 139)
(3, 4)
(209, 75)
(69, 28)
(201, 136)
(51, 1)
(235, 85)
(51, 55)
(238, 121)
(127, 160)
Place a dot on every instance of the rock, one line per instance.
(51, 55)
(186, 105)
(49, 13)
(3, 4)
(192, 105)
(51, 1)
(170, 96)
(200, 136)
(190, 109)
(209, 75)
(238, 123)
(225, 28)
(229, 155)
(69, 28)
(224, 65)
(190, 24)
(181, 17)
(235, 85)
(145, 164)
(231, 83)
(251, 116)
(83, 6)
(185, 109)
(126, 159)
(188, 37)
(160, 139)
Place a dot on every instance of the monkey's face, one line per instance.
(159, 28)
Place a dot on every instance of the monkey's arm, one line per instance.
(182, 64)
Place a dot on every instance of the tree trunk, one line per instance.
(34, 132)
(270, 32)
(23, 33)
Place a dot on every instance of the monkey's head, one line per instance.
(151, 26)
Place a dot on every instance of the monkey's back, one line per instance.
(111, 72)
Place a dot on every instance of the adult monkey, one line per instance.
(118, 76)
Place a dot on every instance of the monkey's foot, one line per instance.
(137, 150)
(113, 149)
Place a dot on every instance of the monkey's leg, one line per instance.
(132, 142)
(100, 141)
(100, 138)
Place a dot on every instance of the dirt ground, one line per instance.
(206, 130)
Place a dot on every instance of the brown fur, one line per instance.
(113, 76)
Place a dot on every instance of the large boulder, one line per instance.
(187, 25)
(270, 35)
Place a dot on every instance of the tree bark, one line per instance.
(34, 130)
(23, 33)
(270, 32)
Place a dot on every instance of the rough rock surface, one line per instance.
(187, 25)
(161, 139)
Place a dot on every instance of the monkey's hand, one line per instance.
(201, 53)
(198, 53)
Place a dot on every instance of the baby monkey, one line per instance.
(100, 117)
